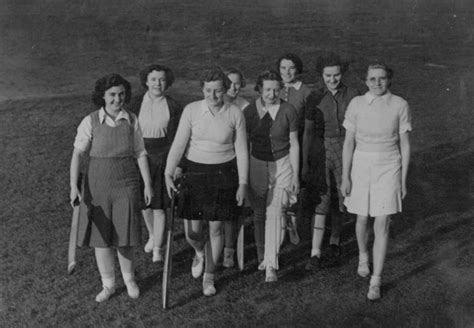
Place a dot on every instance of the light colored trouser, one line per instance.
(269, 186)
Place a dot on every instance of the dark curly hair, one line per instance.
(105, 83)
(159, 68)
(215, 74)
(269, 75)
(233, 70)
(330, 60)
(295, 59)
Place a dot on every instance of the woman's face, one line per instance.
(235, 85)
(270, 91)
(377, 81)
(214, 93)
(114, 98)
(332, 77)
(287, 71)
(156, 83)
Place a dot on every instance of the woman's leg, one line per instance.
(229, 235)
(148, 218)
(126, 256)
(158, 234)
(105, 264)
(381, 229)
(193, 232)
(362, 235)
(319, 222)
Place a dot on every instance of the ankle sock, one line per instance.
(208, 277)
(316, 252)
(375, 281)
(363, 257)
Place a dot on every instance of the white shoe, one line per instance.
(270, 274)
(374, 293)
(363, 269)
(158, 254)
(198, 266)
(132, 289)
(149, 245)
(105, 294)
(261, 266)
(208, 288)
(228, 258)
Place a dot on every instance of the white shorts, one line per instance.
(376, 184)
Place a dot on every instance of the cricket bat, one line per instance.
(73, 238)
(169, 252)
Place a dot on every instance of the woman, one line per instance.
(158, 115)
(272, 128)
(111, 200)
(375, 159)
(232, 96)
(211, 136)
(297, 94)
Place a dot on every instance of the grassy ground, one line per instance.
(48, 73)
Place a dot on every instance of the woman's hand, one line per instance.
(75, 196)
(346, 186)
(178, 173)
(241, 194)
(148, 192)
(170, 184)
(295, 185)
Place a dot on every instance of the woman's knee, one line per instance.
(215, 229)
(381, 225)
(362, 219)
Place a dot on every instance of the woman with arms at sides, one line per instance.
(297, 94)
(232, 96)
(111, 215)
(211, 136)
(272, 128)
(158, 115)
(375, 159)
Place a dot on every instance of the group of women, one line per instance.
(222, 150)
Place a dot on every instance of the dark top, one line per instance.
(270, 139)
(331, 109)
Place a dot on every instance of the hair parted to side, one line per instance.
(269, 75)
(159, 68)
(233, 70)
(379, 65)
(215, 74)
(330, 60)
(105, 83)
(295, 59)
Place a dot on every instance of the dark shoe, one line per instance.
(334, 255)
(313, 264)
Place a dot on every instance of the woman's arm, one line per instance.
(405, 153)
(347, 154)
(145, 173)
(183, 134)
(242, 154)
(74, 175)
(308, 136)
(295, 161)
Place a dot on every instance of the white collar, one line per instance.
(204, 108)
(122, 115)
(297, 85)
(147, 97)
(272, 109)
(370, 97)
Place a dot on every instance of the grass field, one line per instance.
(53, 51)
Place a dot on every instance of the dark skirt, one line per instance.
(157, 149)
(207, 191)
(110, 211)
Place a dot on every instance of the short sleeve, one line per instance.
(292, 119)
(350, 118)
(138, 143)
(405, 119)
(84, 134)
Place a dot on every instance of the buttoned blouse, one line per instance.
(209, 138)
(154, 117)
(378, 121)
(84, 135)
